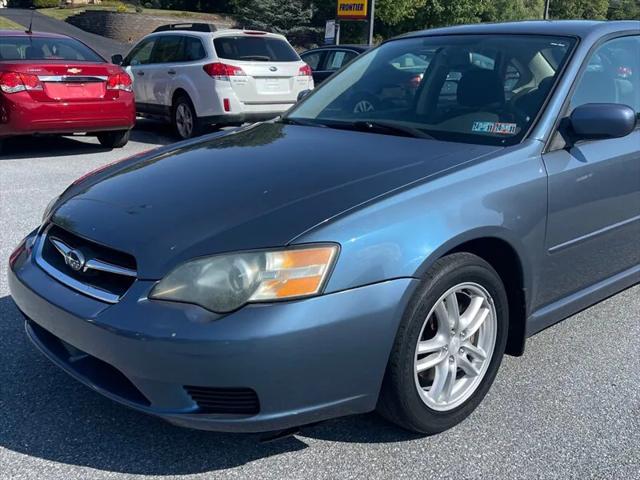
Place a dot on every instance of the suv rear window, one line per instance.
(44, 48)
(262, 49)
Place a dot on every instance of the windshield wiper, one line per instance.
(257, 58)
(298, 121)
(389, 127)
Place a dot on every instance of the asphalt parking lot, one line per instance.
(570, 408)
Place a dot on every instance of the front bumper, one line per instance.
(307, 360)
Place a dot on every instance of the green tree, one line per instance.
(280, 16)
(392, 12)
(512, 10)
(579, 9)
(435, 13)
(624, 10)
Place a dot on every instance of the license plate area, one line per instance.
(74, 90)
(273, 85)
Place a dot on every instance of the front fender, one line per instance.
(401, 235)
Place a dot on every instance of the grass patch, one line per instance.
(6, 24)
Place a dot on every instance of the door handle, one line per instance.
(140, 74)
(171, 72)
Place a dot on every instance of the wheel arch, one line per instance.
(506, 256)
(180, 92)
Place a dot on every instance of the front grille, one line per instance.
(104, 273)
(240, 401)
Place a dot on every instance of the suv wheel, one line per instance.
(114, 139)
(185, 120)
(448, 348)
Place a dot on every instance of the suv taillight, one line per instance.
(120, 81)
(305, 71)
(222, 71)
(13, 82)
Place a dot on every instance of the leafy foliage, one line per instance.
(280, 16)
(579, 9)
(392, 12)
(624, 10)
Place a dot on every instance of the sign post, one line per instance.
(363, 10)
(330, 32)
(372, 13)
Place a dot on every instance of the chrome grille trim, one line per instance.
(95, 264)
(89, 290)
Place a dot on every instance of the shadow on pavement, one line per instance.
(47, 146)
(147, 131)
(47, 414)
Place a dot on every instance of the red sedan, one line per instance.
(54, 84)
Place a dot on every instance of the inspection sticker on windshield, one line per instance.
(495, 127)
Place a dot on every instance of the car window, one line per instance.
(255, 48)
(483, 89)
(42, 48)
(193, 49)
(168, 49)
(336, 59)
(312, 59)
(141, 53)
(612, 75)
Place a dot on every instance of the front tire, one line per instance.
(448, 348)
(114, 139)
(184, 119)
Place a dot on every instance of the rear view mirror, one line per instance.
(594, 121)
(117, 59)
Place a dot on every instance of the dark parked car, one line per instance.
(340, 260)
(325, 61)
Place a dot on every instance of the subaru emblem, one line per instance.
(72, 257)
(75, 260)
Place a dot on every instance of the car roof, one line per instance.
(21, 33)
(574, 28)
(219, 33)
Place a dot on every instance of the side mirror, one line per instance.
(303, 94)
(117, 59)
(597, 121)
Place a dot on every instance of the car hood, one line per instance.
(254, 188)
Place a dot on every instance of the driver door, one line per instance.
(593, 224)
(138, 65)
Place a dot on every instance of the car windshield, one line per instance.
(257, 48)
(485, 89)
(44, 48)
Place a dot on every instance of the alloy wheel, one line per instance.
(455, 346)
(184, 120)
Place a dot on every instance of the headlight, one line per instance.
(49, 207)
(223, 283)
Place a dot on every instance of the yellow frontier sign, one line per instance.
(352, 9)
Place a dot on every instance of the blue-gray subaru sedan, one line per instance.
(381, 246)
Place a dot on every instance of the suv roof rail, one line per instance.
(194, 27)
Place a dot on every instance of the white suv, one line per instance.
(194, 76)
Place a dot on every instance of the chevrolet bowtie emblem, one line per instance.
(74, 70)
